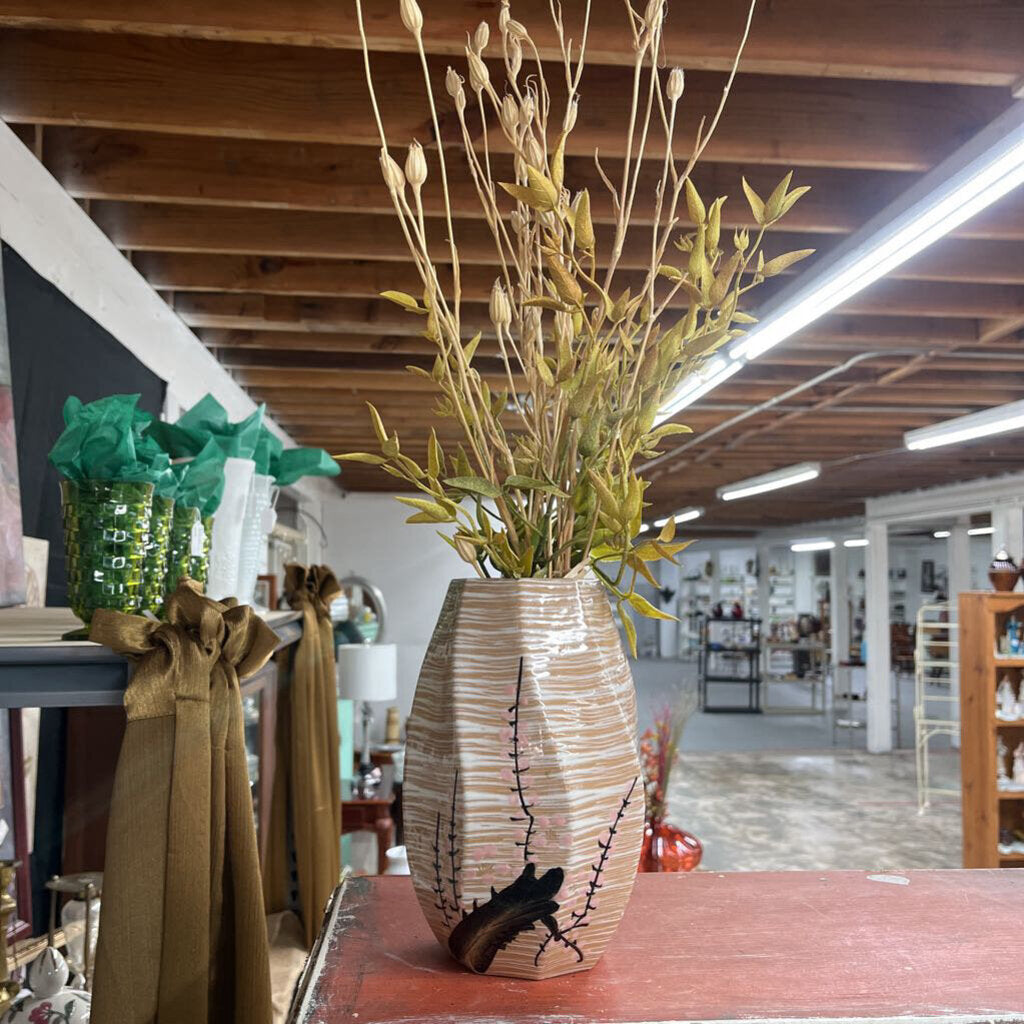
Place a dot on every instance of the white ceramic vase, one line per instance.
(226, 543)
(523, 794)
(258, 522)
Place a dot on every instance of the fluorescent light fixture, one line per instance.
(856, 542)
(982, 171)
(682, 517)
(813, 545)
(981, 531)
(998, 420)
(697, 385)
(770, 481)
(940, 534)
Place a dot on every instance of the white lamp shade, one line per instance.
(367, 672)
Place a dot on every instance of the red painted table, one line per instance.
(796, 946)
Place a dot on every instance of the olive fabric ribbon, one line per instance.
(184, 936)
(308, 744)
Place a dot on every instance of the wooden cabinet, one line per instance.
(986, 808)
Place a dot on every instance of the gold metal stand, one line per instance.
(8, 989)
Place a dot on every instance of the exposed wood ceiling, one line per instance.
(226, 147)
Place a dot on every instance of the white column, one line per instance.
(668, 632)
(879, 704)
(959, 557)
(839, 589)
(1008, 530)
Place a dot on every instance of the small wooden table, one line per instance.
(843, 946)
(372, 815)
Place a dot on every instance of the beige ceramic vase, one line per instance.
(524, 802)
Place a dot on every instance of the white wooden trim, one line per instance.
(56, 237)
(879, 673)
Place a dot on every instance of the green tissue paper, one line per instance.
(238, 440)
(299, 462)
(268, 452)
(99, 442)
(201, 480)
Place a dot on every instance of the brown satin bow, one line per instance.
(315, 584)
(183, 913)
(233, 644)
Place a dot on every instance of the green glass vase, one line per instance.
(106, 531)
(154, 566)
(179, 551)
(199, 565)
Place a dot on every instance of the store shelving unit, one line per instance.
(780, 667)
(986, 808)
(781, 599)
(730, 656)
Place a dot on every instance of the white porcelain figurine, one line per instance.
(50, 998)
(1002, 779)
(1018, 766)
(1007, 700)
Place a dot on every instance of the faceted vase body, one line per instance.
(524, 802)
(106, 532)
(188, 548)
(154, 564)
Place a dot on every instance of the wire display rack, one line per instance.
(936, 706)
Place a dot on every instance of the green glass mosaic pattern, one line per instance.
(154, 566)
(179, 550)
(106, 531)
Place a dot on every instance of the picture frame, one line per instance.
(266, 591)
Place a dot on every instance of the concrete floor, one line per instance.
(772, 792)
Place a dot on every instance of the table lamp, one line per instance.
(367, 672)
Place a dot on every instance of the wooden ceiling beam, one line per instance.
(289, 275)
(167, 227)
(357, 314)
(871, 39)
(98, 163)
(265, 91)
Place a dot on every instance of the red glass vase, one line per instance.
(667, 848)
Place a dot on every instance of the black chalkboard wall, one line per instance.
(56, 351)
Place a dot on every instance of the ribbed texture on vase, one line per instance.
(522, 777)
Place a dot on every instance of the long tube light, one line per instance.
(981, 531)
(685, 516)
(812, 545)
(856, 542)
(982, 171)
(940, 534)
(697, 386)
(770, 481)
(998, 420)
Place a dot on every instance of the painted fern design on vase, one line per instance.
(519, 770)
(521, 759)
(517, 908)
(579, 917)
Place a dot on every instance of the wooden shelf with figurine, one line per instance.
(992, 727)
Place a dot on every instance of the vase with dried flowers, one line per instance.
(666, 847)
(522, 783)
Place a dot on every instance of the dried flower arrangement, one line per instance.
(659, 753)
(544, 484)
